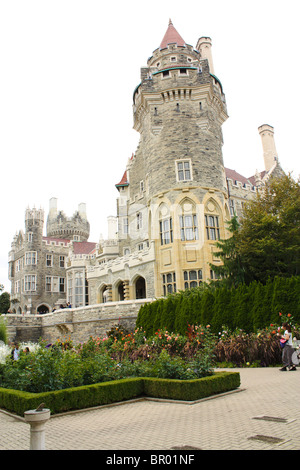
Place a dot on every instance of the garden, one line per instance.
(121, 366)
(129, 354)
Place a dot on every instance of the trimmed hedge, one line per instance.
(247, 307)
(190, 390)
(119, 390)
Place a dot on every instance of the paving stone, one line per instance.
(224, 423)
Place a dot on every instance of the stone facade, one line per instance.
(37, 263)
(175, 195)
(174, 199)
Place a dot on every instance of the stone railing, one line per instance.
(78, 324)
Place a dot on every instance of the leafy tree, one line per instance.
(268, 240)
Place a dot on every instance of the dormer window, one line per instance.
(173, 59)
(166, 74)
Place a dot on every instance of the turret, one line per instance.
(179, 108)
(34, 223)
(72, 228)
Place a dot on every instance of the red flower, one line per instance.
(289, 315)
(280, 313)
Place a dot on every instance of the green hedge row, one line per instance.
(247, 307)
(119, 390)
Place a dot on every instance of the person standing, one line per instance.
(15, 353)
(288, 349)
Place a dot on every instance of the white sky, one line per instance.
(68, 69)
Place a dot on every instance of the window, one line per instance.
(61, 261)
(30, 258)
(17, 287)
(79, 285)
(166, 231)
(139, 220)
(30, 283)
(30, 236)
(169, 283)
(192, 278)
(142, 183)
(70, 290)
(173, 59)
(182, 72)
(48, 283)
(19, 265)
(183, 170)
(53, 284)
(125, 225)
(231, 207)
(62, 284)
(166, 74)
(188, 227)
(49, 260)
(212, 227)
(214, 275)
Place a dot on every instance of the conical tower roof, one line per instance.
(171, 36)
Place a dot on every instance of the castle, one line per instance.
(175, 197)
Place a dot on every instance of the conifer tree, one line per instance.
(232, 272)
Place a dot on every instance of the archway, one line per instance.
(140, 288)
(120, 291)
(43, 309)
(103, 294)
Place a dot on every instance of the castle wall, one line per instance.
(78, 324)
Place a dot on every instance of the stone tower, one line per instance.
(179, 108)
(175, 196)
(174, 192)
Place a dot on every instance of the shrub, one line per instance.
(117, 391)
(3, 330)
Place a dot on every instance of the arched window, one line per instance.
(165, 225)
(188, 221)
(212, 220)
(140, 288)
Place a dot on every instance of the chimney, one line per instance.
(269, 150)
(82, 210)
(204, 47)
(53, 208)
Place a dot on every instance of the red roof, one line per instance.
(171, 37)
(84, 248)
(235, 176)
(124, 181)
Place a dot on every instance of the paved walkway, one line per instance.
(228, 422)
